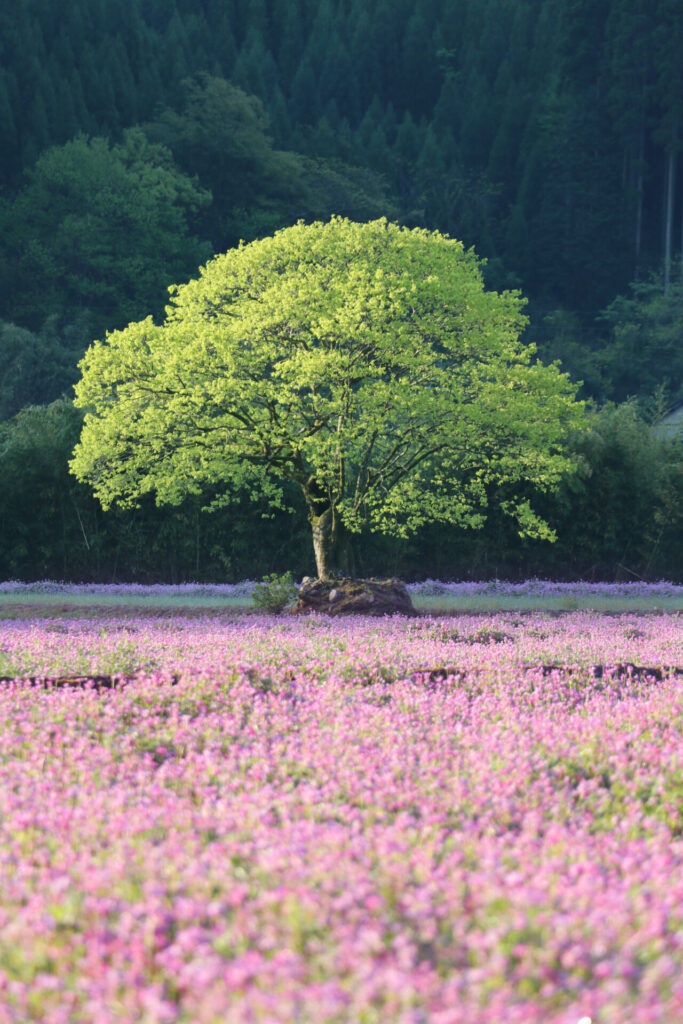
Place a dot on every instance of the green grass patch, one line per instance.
(127, 600)
(450, 605)
(63, 604)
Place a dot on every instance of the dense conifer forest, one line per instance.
(138, 137)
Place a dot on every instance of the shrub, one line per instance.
(275, 593)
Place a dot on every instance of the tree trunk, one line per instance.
(639, 202)
(331, 545)
(668, 232)
(639, 222)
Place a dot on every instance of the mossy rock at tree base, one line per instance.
(355, 597)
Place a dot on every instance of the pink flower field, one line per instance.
(364, 822)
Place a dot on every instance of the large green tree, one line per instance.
(366, 363)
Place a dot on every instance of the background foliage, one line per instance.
(620, 518)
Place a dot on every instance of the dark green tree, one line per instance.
(39, 367)
(224, 135)
(644, 351)
(102, 228)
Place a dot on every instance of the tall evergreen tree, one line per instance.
(255, 71)
(629, 51)
(9, 139)
(669, 126)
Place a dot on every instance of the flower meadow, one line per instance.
(388, 821)
(537, 588)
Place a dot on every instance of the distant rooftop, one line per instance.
(672, 423)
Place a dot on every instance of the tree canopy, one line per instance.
(366, 363)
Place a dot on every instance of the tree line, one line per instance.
(620, 517)
(545, 132)
(138, 137)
